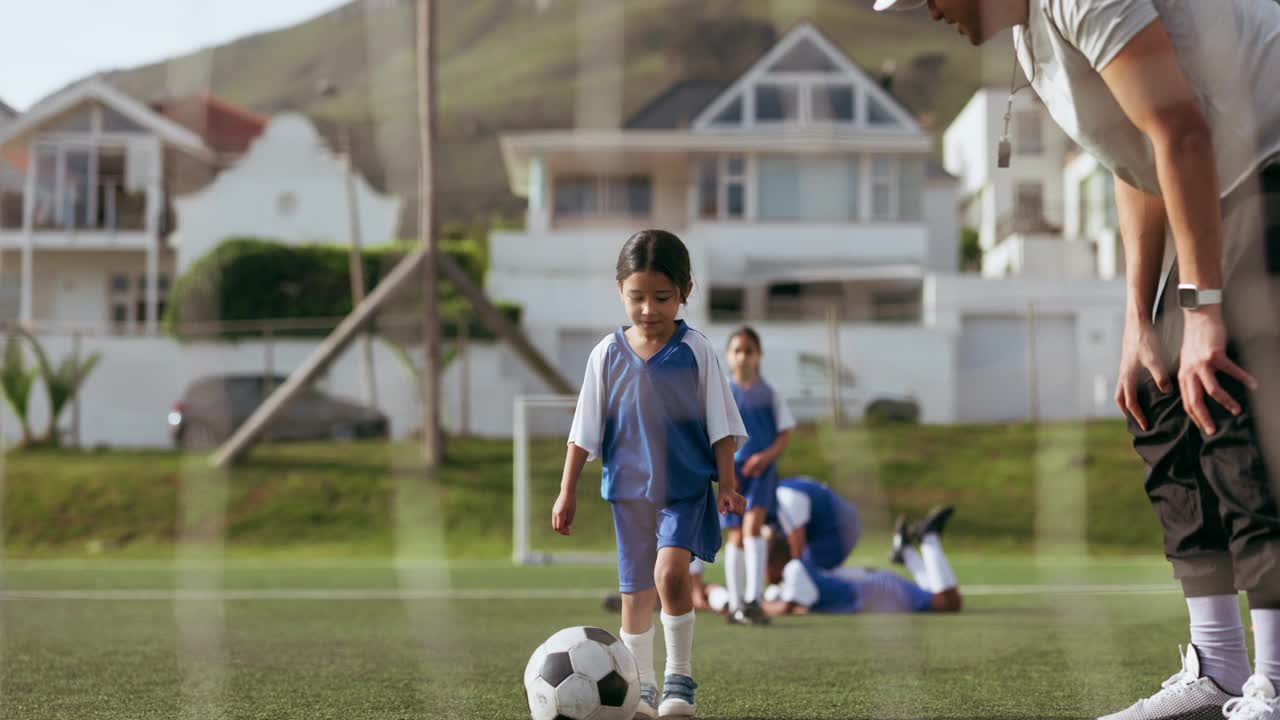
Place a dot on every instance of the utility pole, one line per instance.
(431, 437)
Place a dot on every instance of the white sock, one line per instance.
(641, 646)
(679, 632)
(941, 577)
(1266, 644)
(915, 566)
(754, 551)
(735, 571)
(1219, 639)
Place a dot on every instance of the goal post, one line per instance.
(540, 426)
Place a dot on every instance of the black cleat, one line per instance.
(902, 539)
(749, 614)
(935, 521)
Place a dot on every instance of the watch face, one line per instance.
(1188, 297)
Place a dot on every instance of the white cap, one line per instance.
(882, 5)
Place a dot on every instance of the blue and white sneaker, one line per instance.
(648, 707)
(677, 697)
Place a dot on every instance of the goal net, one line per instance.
(539, 432)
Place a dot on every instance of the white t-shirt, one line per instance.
(797, 586)
(1229, 51)
(794, 509)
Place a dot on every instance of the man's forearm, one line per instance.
(1189, 182)
(1142, 233)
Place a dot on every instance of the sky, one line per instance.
(45, 44)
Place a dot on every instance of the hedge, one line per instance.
(246, 279)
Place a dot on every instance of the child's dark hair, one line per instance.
(749, 333)
(779, 552)
(657, 251)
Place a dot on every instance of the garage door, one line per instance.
(994, 374)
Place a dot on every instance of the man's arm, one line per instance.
(1147, 81)
(776, 608)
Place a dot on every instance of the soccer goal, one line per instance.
(539, 432)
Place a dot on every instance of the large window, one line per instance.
(85, 187)
(722, 187)
(833, 104)
(777, 103)
(813, 189)
(127, 301)
(728, 304)
(884, 188)
(612, 195)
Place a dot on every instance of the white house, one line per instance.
(1018, 211)
(1089, 202)
(800, 187)
(287, 187)
(84, 240)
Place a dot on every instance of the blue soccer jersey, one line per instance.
(831, 524)
(653, 422)
(764, 414)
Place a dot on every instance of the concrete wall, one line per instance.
(127, 397)
(288, 187)
(1039, 256)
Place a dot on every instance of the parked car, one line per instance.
(213, 407)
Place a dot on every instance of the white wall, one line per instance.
(289, 159)
(127, 397)
(1096, 307)
(1039, 256)
(942, 218)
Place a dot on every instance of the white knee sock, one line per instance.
(1219, 639)
(679, 632)
(754, 551)
(641, 646)
(735, 571)
(941, 577)
(1266, 644)
(915, 566)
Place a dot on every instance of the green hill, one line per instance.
(514, 64)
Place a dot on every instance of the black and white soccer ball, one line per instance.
(582, 673)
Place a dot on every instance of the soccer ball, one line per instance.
(582, 673)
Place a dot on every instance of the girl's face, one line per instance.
(743, 357)
(652, 301)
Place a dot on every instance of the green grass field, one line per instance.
(199, 638)
(343, 581)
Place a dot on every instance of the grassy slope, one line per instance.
(507, 66)
(1006, 657)
(356, 498)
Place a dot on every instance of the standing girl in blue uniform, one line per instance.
(656, 407)
(769, 422)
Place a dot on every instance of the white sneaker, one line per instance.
(1259, 702)
(1185, 696)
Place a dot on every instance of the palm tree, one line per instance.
(62, 383)
(16, 379)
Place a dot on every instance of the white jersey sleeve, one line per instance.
(794, 509)
(782, 412)
(1100, 29)
(797, 586)
(587, 431)
(723, 418)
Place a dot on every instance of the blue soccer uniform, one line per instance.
(653, 424)
(830, 523)
(765, 415)
(851, 590)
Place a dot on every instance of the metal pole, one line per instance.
(464, 372)
(520, 467)
(1032, 374)
(75, 397)
(356, 263)
(269, 358)
(431, 437)
(833, 340)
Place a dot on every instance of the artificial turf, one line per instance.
(199, 636)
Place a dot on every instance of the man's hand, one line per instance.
(1139, 351)
(729, 501)
(562, 513)
(756, 464)
(1204, 355)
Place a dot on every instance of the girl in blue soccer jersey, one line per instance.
(769, 422)
(656, 407)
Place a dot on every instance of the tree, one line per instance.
(61, 382)
(17, 381)
(970, 250)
